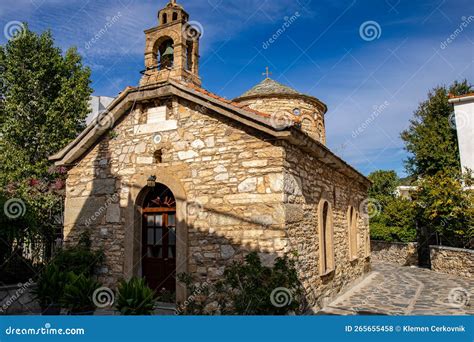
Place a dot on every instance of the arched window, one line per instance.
(326, 240)
(158, 156)
(321, 132)
(189, 55)
(165, 18)
(352, 225)
(166, 54)
(367, 243)
(175, 16)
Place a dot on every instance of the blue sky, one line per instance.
(371, 86)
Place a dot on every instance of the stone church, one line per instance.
(175, 179)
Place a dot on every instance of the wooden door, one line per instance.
(159, 245)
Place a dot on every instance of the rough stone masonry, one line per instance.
(241, 183)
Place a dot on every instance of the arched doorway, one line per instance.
(159, 239)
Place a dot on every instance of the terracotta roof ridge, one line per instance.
(452, 96)
(219, 98)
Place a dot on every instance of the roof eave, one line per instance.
(325, 155)
(462, 98)
(130, 96)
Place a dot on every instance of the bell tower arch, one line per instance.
(172, 48)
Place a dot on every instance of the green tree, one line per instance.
(445, 207)
(396, 219)
(431, 138)
(384, 184)
(45, 103)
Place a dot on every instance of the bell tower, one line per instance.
(172, 48)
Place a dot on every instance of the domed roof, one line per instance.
(269, 87)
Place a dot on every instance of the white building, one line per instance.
(464, 115)
(98, 104)
(405, 191)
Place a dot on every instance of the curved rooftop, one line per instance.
(269, 87)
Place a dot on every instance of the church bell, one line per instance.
(169, 52)
(168, 57)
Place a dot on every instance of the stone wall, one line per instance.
(456, 261)
(307, 182)
(231, 178)
(242, 192)
(404, 254)
(311, 117)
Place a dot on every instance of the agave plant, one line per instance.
(49, 290)
(78, 294)
(135, 298)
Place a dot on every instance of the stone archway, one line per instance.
(158, 249)
(134, 224)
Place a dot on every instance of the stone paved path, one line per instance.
(398, 290)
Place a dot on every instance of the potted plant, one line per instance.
(78, 296)
(135, 298)
(49, 290)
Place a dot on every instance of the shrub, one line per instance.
(79, 259)
(78, 294)
(67, 280)
(381, 232)
(135, 298)
(445, 207)
(249, 288)
(198, 296)
(50, 287)
(395, 223)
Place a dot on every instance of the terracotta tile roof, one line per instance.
(226, 101)
(118, 107)
(451, 96)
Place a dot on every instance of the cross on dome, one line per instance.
(267, 72)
